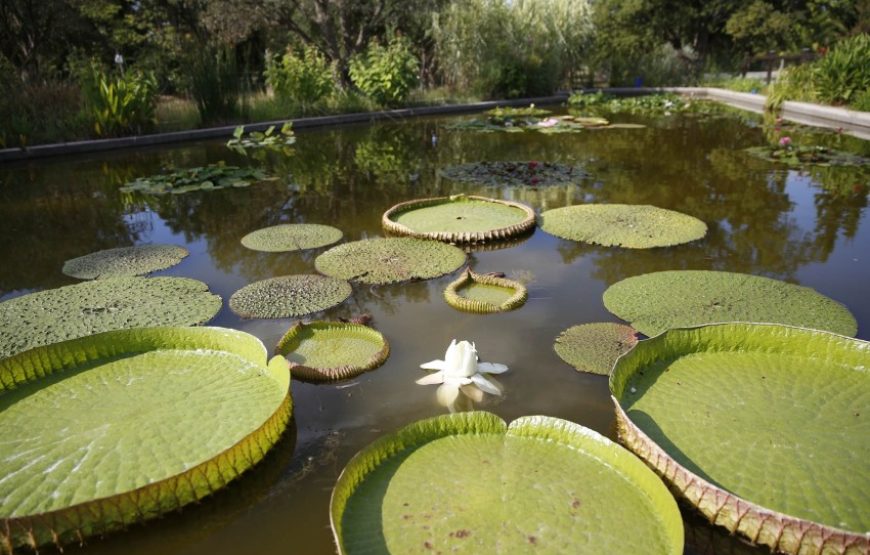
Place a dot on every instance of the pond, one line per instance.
(806, 227)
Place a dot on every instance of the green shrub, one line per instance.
(300, 78)
(214, 83)
(32, 113)
(119, 103)
(739, 84)
(386, 74)
(500, 48)
(841, 77)
(844, 72)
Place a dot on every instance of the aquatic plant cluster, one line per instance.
(732, 350)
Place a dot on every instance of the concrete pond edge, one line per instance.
(850, 121)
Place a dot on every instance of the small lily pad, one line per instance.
(102, 305)
(797, 156)
(484, 293)
(331, 351)
(124, 261)
(762, 427)
(540, 484)
(656, 302)
(206, 178)
(103, 431)
(510, 112)
(528, 173)
(623, 225)
(291, 237)
(289, 296)
(595, 347)
(392, 260)
(459, 219)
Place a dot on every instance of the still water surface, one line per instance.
(809, 228)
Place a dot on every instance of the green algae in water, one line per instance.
(540, 482)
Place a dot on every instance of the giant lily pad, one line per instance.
(655, 302)
(330, 351)
(595, 347)
(469, 483)
(624, 225)
(102, 305)
(530, 173)
(381, 261)
(459, 219)
(103, 431)
(762, 427)
(206, 178)
(291, 237)
(125, 261)
(484, 293)
(289, 296)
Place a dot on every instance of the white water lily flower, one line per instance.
(460, 371)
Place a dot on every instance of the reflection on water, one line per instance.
(807, 227)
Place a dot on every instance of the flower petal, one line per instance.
(473, 392)
(447, 394)
(432, 379)
(486, 385)
(491, 367)
(433, 365)
(456, 381)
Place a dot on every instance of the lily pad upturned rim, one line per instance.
(107, 514)
(551, 429)
(577, 223)
(780, 532)
(319, 375)
(391, 226)
(151, 258)
(454, 299)
(268, 239)
(572, 345)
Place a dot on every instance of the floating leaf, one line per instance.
(656, 302)
(797, 156)
(529, 173)
(263, 140)
(459, 219)
(211, 177)
(104, 431)
(632, 226)
(289, 296)
(762, 427)
(469, 483)
(595, 347)
(124, 261)
(330, 351)
(382, 261)
(484, 293)
(291, 237)
(509, 112)
(102, 305)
